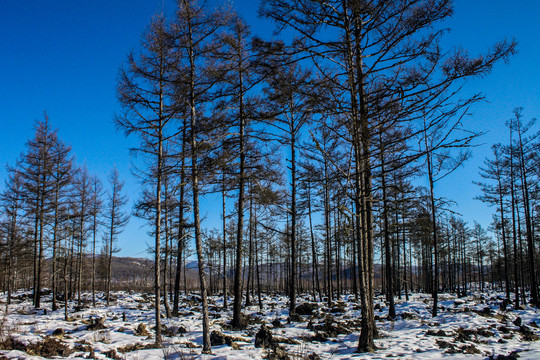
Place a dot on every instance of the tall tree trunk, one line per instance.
(528, 227)
(314, 257)
(435, 280)
(94, 231)
(157, 224)
(181, 224)
(110, 244)
(54, 257)
(387, 245)
(250, 250)
(196, 208)
(503, 233)
(329, 292)
(223, 195)
(65, 284)
(292, 279)
(514, 233)
(166, 254)
(237, 322)
(35, 263)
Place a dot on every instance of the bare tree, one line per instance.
(81, 198)
(524, 146)
(288, 105)
(36, 168)
(96, 207)
(372, 53)
(62, 177)
(115, 219)
(194, 32)
(11, 207)
(494, 195)
(148, 109)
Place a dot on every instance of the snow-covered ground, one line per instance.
(467, 328)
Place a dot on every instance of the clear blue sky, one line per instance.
(63, 57)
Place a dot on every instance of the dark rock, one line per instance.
(264, 338)
(58, 332)
(217, 338)
(444, 344)
(436, 333)
(179, 329)
(503, 329)
(306, 309)
(276, 323)
(485, 311)
(517, 322)
(512, 356)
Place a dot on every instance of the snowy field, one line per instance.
(467, 328)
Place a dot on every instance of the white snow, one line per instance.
(484, 329)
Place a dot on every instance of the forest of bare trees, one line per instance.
(52, 214)
(323, 144)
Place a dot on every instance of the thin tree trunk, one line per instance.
(528, 227)
(292, 279)
(387, 245)
(196, 208)
(181, 225)
(166, 254)
(224, 242)
(514, 233)
(314, 261)
(237, 322)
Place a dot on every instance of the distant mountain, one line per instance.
(130, 270)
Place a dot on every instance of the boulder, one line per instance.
(306, 309)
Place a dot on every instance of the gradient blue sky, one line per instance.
(63, 57)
